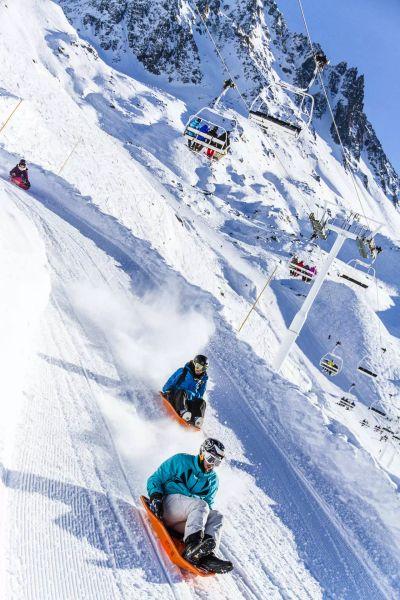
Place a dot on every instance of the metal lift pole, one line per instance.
(301, 316)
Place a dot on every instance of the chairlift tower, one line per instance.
(353, 226)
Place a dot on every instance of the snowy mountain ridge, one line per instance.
(152, 254)
(254, 37)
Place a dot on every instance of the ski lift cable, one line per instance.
(220, 55)
(302, 196)
(331, 111)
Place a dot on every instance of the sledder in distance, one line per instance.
(19, 175)
(180, 507)
(184, 390)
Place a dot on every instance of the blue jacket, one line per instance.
(182, 474)
(204, 128)
(194, 386)
(194, 124)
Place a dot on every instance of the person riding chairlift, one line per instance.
(330, 367)
(311, 272)
(194, 124)
(292, 270)
(204, 129)
(300, 266)
(213, 133)
(19, 175)
(321, 60)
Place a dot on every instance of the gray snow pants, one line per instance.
(189, 515)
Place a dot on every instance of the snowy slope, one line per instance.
(146, 270)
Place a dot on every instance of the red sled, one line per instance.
(25, 185)
(177, 417)
(172, 543)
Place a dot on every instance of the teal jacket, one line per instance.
(182, 474)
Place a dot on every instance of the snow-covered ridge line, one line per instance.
(253, 40)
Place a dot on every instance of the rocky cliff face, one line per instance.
(345, 89)
(166, 36)
(158, 33)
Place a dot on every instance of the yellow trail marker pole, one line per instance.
(68, 157)
(11, 114)
(258, 297)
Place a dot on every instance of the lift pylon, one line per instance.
(351, 226)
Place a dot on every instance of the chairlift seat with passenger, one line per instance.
(346, 401)
(206, 131)
(331, 363)
(297, 268)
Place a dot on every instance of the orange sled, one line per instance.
(173, 412)
(172, 545)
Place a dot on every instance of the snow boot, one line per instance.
(186, 415)
(197, 546)
(210, 562)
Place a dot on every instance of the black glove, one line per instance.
(156, 505)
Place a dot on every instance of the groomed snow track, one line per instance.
(69, 437)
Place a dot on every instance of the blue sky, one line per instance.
(366, 34)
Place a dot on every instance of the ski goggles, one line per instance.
(200, 367)
(211, 459)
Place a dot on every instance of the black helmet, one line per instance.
(202, 360)
(22, 162)
(213, 451)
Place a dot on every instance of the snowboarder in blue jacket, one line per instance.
(182, 492)
(185, 389)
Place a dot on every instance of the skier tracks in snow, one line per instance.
(350, 540)
(176, 593)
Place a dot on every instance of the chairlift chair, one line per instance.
(347, 402)
(377, 410)
(299, 269)
(294, 117)
(331, 363)
(364, 367)
(366, 271)
(201, 140)
(203, 133)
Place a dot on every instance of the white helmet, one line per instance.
(213, 451)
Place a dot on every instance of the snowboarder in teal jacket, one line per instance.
(185, 389)
(182, 492)
(183, 474)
